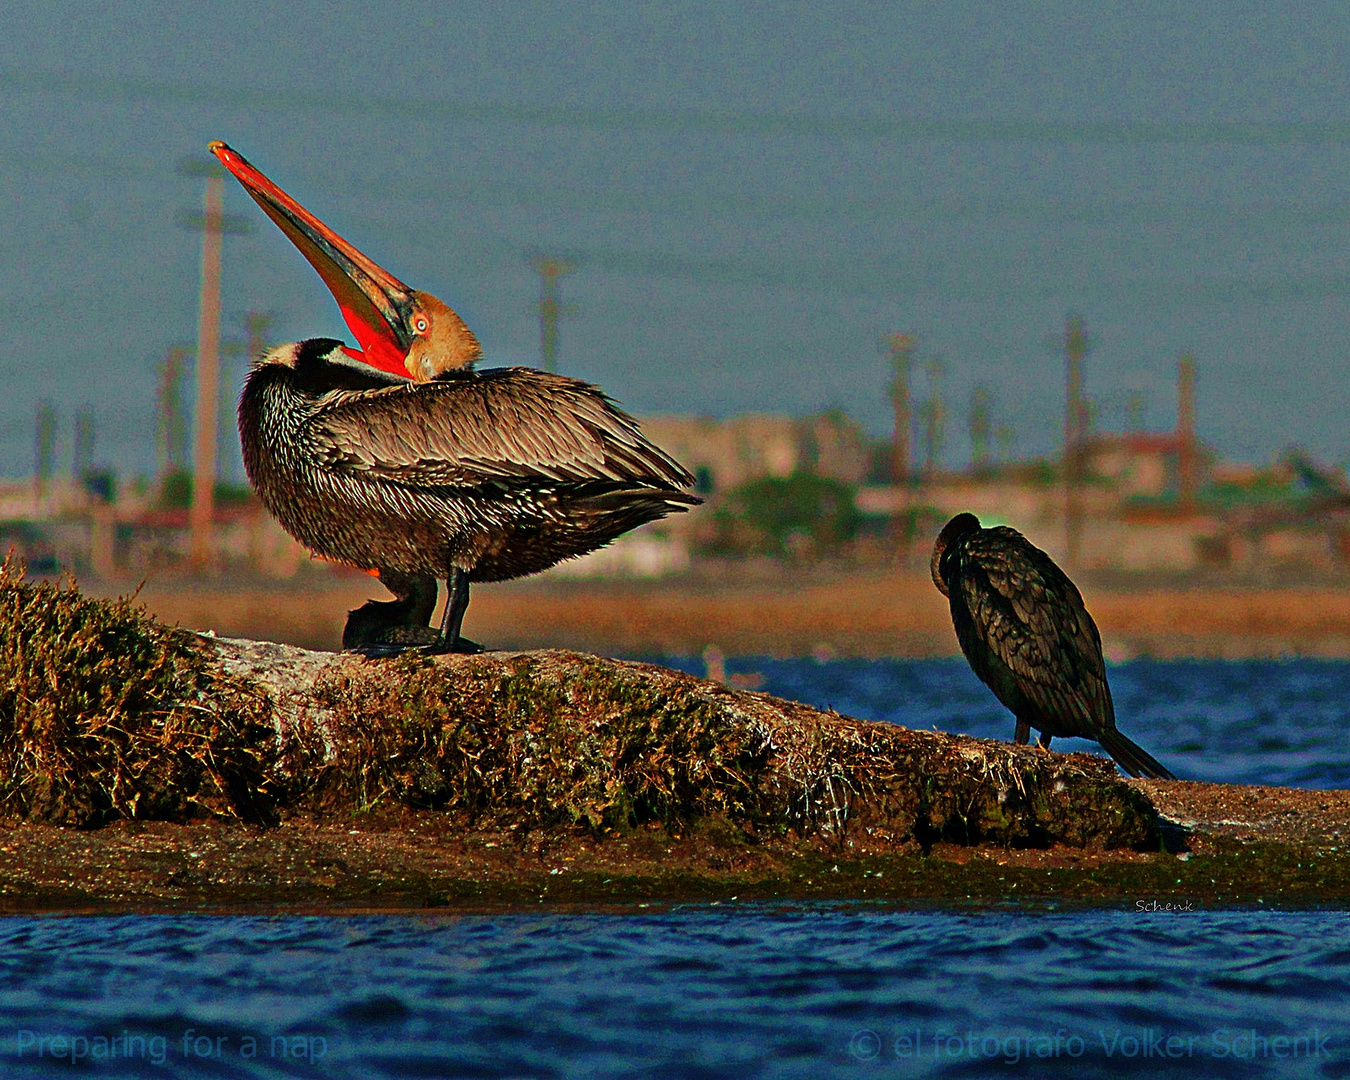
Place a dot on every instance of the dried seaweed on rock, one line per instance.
(550, 738)
(105, 713)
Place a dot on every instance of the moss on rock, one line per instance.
(556, 738)
(519, 737)
(105, 713)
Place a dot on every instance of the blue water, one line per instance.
(747, 991)
(1249, 722)
(805, 991)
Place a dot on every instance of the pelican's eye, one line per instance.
(420, 324)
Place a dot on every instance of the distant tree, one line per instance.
(176, 492)
(801, 515)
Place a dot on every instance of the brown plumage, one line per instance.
(454, 473)
(1024, 629)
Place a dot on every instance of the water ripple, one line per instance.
(802, 991)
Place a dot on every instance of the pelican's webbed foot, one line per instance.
(462, 646)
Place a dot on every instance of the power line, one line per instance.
(778, 204)
(677, 121)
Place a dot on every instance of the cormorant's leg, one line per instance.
(456, 603)
(1045, 740)
(1022, 732)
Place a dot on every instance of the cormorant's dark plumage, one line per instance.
(1023, 627)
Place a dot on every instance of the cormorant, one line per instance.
(1023, 627)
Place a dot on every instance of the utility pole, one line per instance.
(169, 433)
(1006, 438)
(901, 348)
(1186, 450)
(934, 414)
(1135, 406)
(979, 427)
(213, 225)
(550, 307)
(82, 457)
(1075, 344)
(208, 382)
(44, 449)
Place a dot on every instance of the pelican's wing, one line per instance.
(505, 426)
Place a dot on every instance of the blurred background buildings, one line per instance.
(779, 490)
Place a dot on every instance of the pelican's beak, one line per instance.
(376, 306)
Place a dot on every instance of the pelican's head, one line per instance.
(402, 331)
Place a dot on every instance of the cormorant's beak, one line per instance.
(376, 306)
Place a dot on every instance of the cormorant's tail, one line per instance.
(1132, 758)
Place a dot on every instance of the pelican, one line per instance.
(401, 459)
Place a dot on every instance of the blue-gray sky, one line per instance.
(754, 196)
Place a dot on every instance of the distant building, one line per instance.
(724, 454)
(1147, 464)
(835, 446)
(647, 553)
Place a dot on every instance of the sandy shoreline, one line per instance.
(866, 615)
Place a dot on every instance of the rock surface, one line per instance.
(147, 767)
(546, 739)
